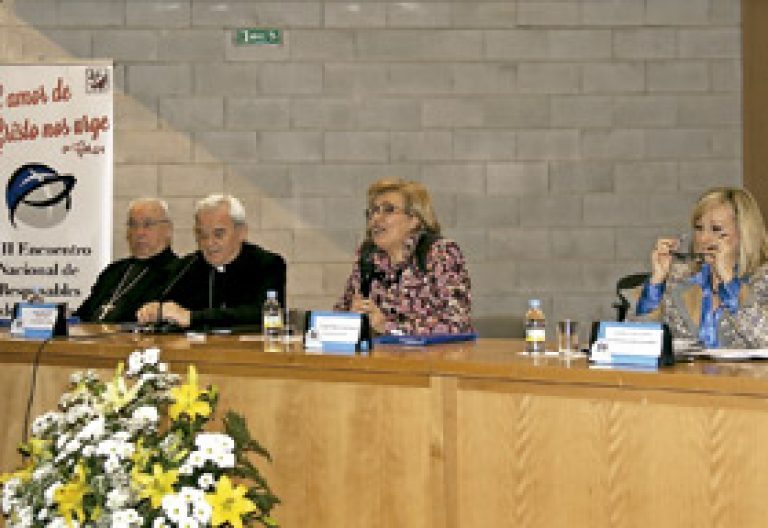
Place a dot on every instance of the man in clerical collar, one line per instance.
(225, 282)
(125, 285)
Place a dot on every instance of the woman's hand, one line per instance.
(375, 315)
(661, 258)
(722, 257)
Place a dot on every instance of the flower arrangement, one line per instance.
(132, 452)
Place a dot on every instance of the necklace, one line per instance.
(121, 289)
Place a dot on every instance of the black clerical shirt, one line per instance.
(125, 285)
(232, 295)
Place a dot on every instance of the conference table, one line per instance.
(471, 434)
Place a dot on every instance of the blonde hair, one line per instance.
(753, 242)
(416, 200)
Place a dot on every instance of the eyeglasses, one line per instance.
(684, 251)
(146, 224)
(385, 209)
(217, 233)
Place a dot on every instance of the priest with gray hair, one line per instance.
(224, 283)
(128, 283)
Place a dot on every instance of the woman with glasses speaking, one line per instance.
(715, 289)
(407, 277)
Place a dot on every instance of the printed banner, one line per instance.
(56, 169)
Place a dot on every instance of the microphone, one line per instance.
(166, 327)
(190, 260)
(367, 276)
(366, 272)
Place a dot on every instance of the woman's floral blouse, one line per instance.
(435, 301)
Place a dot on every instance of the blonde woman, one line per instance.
(721, 297)
(407, 277)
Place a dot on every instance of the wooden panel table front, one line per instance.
(459, 435)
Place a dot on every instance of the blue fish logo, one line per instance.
(38, 186)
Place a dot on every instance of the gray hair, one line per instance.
(150, 200)
(236, 209)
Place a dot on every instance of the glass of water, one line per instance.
(567, 337)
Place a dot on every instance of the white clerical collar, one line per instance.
(220, 269)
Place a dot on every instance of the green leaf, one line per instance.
(237, 428)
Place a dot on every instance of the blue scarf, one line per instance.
(729, 298)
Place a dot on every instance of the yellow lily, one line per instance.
(186, 399)
(23, 474)
(39, 449)
(117, 394)
(157, 485)
(140, 457)
(69, 496)
(81, 388)
(229, 503)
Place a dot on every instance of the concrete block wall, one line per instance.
(559, 138)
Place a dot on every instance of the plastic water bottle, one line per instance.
(35, 297)
(272, 318)
(535, 328)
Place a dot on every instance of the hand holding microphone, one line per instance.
(376, 317)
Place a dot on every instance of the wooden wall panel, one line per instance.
(345, 454)
(508, 446)
(14, 392)
(755, 78)
(533, 460)
(350, 454)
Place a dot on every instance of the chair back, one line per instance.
(628, 282)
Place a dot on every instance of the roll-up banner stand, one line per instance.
(56, 122)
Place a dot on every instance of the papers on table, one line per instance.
(423, 340)
(731, 354)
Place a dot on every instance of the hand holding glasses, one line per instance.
(684, 251)
(671, 252)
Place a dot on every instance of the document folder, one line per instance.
(423, 340)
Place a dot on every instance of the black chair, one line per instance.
(628, 282)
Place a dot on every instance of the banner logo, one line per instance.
(38, 195)
(97, 80)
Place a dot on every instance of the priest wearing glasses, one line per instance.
(125, 285)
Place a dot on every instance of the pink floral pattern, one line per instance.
(435, 301)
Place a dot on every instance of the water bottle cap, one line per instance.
(271, 294)
(534, 303)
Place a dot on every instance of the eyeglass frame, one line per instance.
(386, 209)
(146, 224)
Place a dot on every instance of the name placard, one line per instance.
(632, 338)
(339, 332)
(633, 343)
(37, 321)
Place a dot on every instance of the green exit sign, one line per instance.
(250, 36)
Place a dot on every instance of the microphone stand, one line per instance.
(167, 327)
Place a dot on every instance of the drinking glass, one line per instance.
(568, 337)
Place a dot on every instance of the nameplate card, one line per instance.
(336, 332)
(36, 321)
(628, 342)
